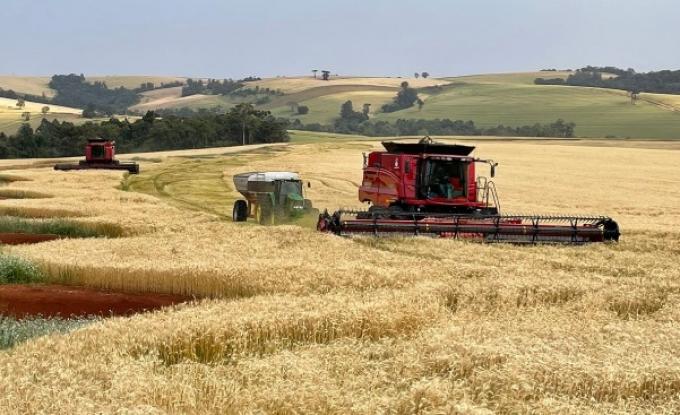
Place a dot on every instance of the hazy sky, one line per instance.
(209, 38)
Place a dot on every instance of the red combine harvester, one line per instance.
(99, 154)
(430, 188)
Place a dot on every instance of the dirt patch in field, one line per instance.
(22, 301)
(16, 238)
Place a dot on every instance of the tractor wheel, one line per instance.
(265, 213)
(240, 213)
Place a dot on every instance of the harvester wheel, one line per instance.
(240, 213)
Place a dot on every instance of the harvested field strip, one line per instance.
(197, 183)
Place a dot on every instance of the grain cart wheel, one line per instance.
(240, 213)
(265, 212)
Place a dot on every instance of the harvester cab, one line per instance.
(427, 177)
(100, 153)
(270, 197)
(430, 188)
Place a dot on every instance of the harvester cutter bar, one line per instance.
(531, 229)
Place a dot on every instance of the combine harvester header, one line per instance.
(430, 188)
(100, 153)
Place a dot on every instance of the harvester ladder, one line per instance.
(488, 191)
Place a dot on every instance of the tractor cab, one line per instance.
(284, 188)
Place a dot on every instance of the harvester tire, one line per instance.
(240, 213)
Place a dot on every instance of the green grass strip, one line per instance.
(15, 270)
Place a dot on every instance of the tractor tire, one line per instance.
(265, 213)
(240, 213)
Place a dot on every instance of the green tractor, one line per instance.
(271, 197)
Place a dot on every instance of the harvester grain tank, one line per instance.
(430, 188)
(270, 197)
(100, 153)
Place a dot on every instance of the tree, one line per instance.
(346, 110)
(21, 103)
(366, 109)
(420, 103)
(26, 116)
(405, 98)
(416, 75)
(325, 75)
(347, 113)
(149, 117)
(302, 109)
(245, 112)
(45, 109)
(89, 111)
(424, 74)
(293, 106)
(314, 71)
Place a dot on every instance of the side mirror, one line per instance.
(493, 170)
(309, 185)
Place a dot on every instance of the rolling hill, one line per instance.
(511, 99)
(11, 116)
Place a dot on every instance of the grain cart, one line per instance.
(430, 188)
(100, 153)
(270, 197)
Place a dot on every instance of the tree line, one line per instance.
(150, 133)
(94, 97)
(663, 82)
(225, 87)
(357, 122)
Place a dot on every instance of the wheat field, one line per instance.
(286, 320)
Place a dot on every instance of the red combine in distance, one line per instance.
(430, 188)
(100, 153)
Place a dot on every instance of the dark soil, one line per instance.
(16, 238)
(22, 301)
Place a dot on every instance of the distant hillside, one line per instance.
(511, 99)
(11, 116)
